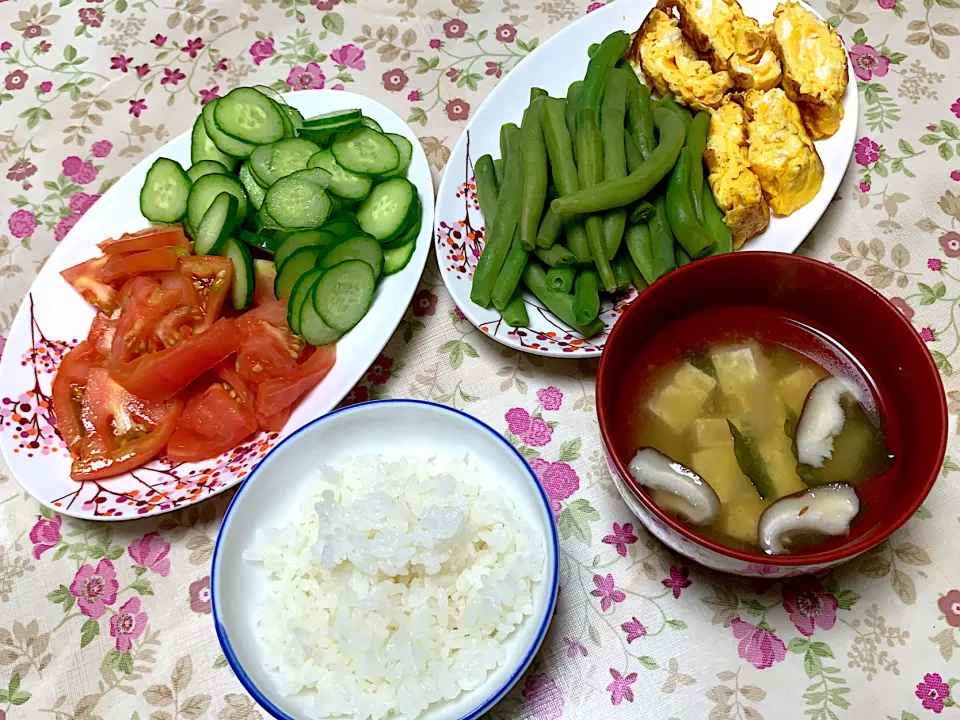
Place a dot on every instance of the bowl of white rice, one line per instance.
(390, 560)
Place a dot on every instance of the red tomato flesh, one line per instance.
(213, 422)
(123, 267)
(153, 237)
(277, 394)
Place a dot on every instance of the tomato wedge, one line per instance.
(161, 375)
(211, 277)
(277, 394)
(68, 388)
(87, 281)
(145, 303)
(268, 349)
(213, 422)
(102, 331)
(122, 267)
(151, 238)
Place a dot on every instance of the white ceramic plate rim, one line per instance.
(39, 475)
(788, 232)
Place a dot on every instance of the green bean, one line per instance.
(640, 246)
(669, 102)
(713, 221)
(515, 313)
(536, 92)
(634, 157)
(640, 117)
(620, 272)
(573, 106)
(640, 213)
(617, 193)
(556, 256)
(586, 297)
(611, 49)
(661, 238)
(498, 170)
(590, 172)
(560, 279)
(697, 144)
(636, 277)
(550, 227)
(612, 117)
(682, 257)
(510, 274)
(560, 304)
(592, 50)
(534, 189)
(487, 190)
(505, 224)
(563, 169)
(688, 231)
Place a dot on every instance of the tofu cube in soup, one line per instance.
(742, 379)
(679, 403)
(781, 465)
(712, 432)
(794, 388)
(740, 518)
(719, 468)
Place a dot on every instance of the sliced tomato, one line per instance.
(177, 324)
(159, 236)
(161, 375)
(86, 280)
(123, 267)
(102, 331)
(214, 421)
(275, 423)
(277, 394)
(245, 393)
(68, 388)
(145, 303)
(211, 277)
(269, 349)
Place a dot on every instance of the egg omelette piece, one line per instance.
(732, 41)
(671, 64)
(814, 67)
(735, 187)
(781, 152)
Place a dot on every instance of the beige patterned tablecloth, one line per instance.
(88, 87)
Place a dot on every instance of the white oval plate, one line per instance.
(553, 66)
(53, 318)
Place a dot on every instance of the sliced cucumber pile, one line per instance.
(325, 197)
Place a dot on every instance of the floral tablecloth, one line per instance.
(113, 621)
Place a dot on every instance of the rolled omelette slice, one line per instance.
(814, 67)
(735, 186)
(731, 41)
(781, 152)
(671, 64)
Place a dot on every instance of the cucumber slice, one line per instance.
(249, 116)
(241, 290)
(218, 223)
(405, 148)
(299, 200)
(255, 192)
(319, 239)
(344, 293)
(371, 123)
(293, 267)
(360, 247)
(386, 208)
(302, 290)
(205, 191)
(365, 151)
(295, 117)
(289, 130)
(397, 259)
(203, 148)
(408, 236)
(333, 121)
(163, 198)
(205, 167)
(265, 222)
(223, 142)
(312, 327)
(270, 93)
(342, 182)
(188, 228)
(269, 163)
(257, 240)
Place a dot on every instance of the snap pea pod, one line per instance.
(560, 279)
(515, 313)
(640, 117)
(634, 157)
(697, 143)
(573, 106)
(510, 274)
(713, 221)
(536, 92)
(682, 257)
(560, 304)
(616, 193)
(640, 246)
(504, 150)
(640, 213)
(661, 238)
(498, 170)
(563, 169)
(612, 117)
(590, 172)
(556, 256)
(586, 297)
(611, 49)
(592, 50)
(688, 231)
(669, 102)
(505, 224)
(534, 160)
(636, 277)
(487, 190)
(551, 225)
(620, 272)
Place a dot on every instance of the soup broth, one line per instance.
(724, 398)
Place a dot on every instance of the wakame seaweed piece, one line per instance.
(748, 458)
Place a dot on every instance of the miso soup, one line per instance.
(722, 393)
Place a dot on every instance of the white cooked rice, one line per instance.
(395, 586)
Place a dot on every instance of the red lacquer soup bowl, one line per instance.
(833, 305)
